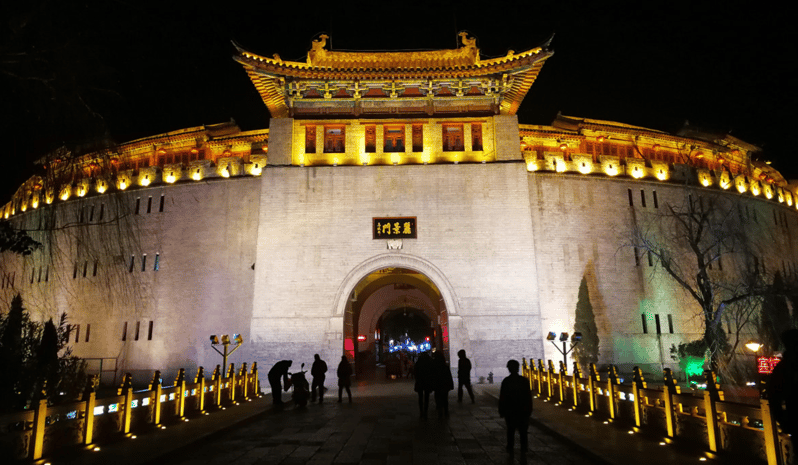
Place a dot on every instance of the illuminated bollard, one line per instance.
(200, 379)
(612, 382)
(711, 395)
(670, 389)
(180, 383)
(40, 424)
(592, 381)
(231, 379)
(217, 387)
(255, 381)
(575, 386)
(242, 375)
(638, 385)
(155, 389)
(126, 390)
(563, 374)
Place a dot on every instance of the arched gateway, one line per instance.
(391, 287)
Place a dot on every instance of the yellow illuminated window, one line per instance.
(394, 138)
(310, 139)
(418, 138)
(453, 138)
(334, 139)
(371, 139)
(476, 137)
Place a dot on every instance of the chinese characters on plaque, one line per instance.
(394, 228)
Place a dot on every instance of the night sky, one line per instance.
(74, 73)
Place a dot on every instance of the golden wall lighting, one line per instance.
(601, 138)
(781, 196)
(301, 160)
(755, 188)
(146, 181)
(705, 181)
(662, 174)
(64, 193)
(335, 161)
(257, 170)
(768, 191)
(101, 187)
(23, 206)
(611, 169)
(425, 158)
(81, 190)
(170, 178)
(563, 147)
(49, 197)
(226, 171)
(196, 175)
(637, 172)
(364, 159)
(559, 166)
(122, 184)
(741, 188)
(788, 199)
(395, 158)
(35, 202)
(531, 165)
(585, 168)
(656, 147)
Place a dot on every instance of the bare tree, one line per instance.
(702, 245)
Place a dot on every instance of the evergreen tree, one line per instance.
(587, 350)
(11, 352)
(775, 316)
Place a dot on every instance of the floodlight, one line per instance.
(225, 339)
(753, 346)
(551, 336)
(563, 337)
(576, 337)
(238, 338)
(214, 339)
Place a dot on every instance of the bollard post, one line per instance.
(638, 385)
(592, 382)
(200, 379)
(667, 393)
(244, 381)
(180, 384)
(40, 424)
(772, 449)
(711, 395)
(126, 390)
(217, 387)
(563, 374)
(231, 380)
(155, 391)
(541, 376)
(550, 378)
(612, 382)
(577, 378)
(255, 382)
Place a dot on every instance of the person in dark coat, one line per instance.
(464, 376)
(515, 405)
(317, 371)
(344, 378)
(783, 386)
(423, 386)
(280, 369)
(442, 383)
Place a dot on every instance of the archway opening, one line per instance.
(392, 314)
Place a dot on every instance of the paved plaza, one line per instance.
(381, 426)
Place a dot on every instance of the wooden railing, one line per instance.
(715, 425)
(42, 430)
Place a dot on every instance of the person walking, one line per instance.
(464, 376)
(515, 405)
(423, 385)
(442, 384)
(279, 370)
(783, 386)
(317, 371)
(344, 378)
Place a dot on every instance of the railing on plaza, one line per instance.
(709, 422)
(43, 429)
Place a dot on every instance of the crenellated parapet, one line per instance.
(192, 154)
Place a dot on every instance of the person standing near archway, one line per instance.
(423, 386)
(464, 376)
(442, 384)
(344, 378)
(317, 371)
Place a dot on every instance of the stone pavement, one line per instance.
(382, 426)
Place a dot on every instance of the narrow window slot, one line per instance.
(637, 257)
(102, 212)
(631, 202)
(91, 214)
(670, 324)
(656, 202)
(77, 333)
(650, 259)
(132, 261)
(160, 208)
(643, 198)
(144, 262)
(138, 205)
(138, 328)
(124, 331)
(85, 267)
(88, 332)
(149, 205)
(94, 272)
(656, 322)
(157, 264)
(149, 331)
(645, 323)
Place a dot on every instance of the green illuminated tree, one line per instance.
(587, 350)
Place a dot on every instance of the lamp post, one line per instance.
(552, 336)
(754, 347)
(226, 344)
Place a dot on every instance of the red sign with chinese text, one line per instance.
(765, 365)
